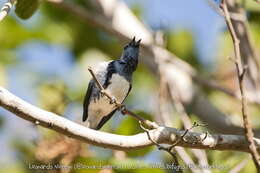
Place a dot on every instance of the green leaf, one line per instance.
(26, 8)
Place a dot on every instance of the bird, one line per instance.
(116, 78)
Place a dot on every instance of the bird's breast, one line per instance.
(118, 87)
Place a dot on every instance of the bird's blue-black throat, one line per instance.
(123, 68)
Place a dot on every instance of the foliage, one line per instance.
(26, 8)
(63, 92)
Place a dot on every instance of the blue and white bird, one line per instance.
(116, 78)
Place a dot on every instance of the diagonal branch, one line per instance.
(246, 49)
(241, 70)
(164, 94)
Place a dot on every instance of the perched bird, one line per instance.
(116, 78)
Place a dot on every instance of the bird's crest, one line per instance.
(135, 43)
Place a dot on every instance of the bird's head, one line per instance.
(131, 51)
(130, 54)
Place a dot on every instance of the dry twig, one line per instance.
(166, 115)
(241, 70)
(172, 93)
(160, 147)
(169, 149)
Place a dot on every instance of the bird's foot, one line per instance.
(122, 109)
(113, 100)
(102, 92)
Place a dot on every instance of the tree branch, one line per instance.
(165, 96)
(164, 113)
(6, 9)
(241, 70)
(161, 135)
(246, 49)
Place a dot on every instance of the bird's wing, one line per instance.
(87, 100)
(105, 119)
(130, 87)
(100, 72)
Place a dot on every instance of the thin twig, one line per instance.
(241, 70)
(122, 107)
(182, 138)
(6, 9)
(160, 147)
(175, 98)
(165, 115)
(170, 148)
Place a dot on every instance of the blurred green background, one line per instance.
(44, 60)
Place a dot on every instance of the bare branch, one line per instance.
(165, 115)
(161, 147)
(199, 154)
(6, 9)
(164, 92)
(162, 135)
(241, 70)
(249, 56)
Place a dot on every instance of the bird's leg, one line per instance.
(122, 109)
(102, 92)
(113, 100)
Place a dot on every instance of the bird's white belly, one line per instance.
(117, 88)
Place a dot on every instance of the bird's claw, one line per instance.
(102, 92)
(112, 100)
(122, 108)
